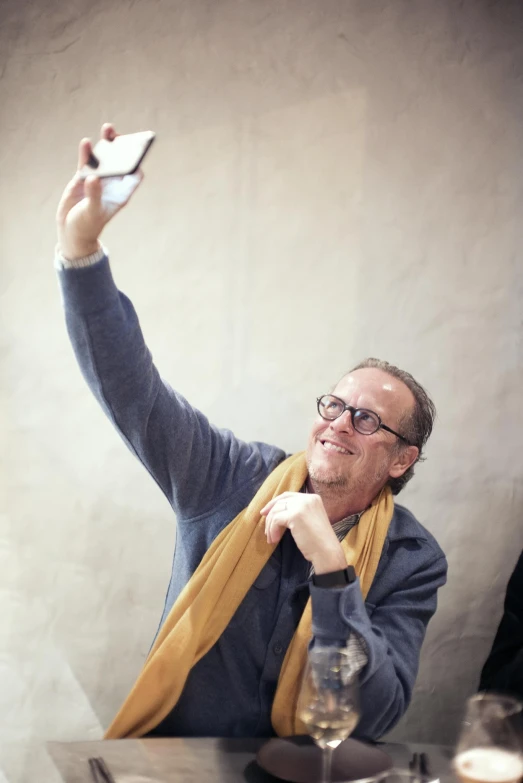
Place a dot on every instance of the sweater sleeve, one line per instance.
(196, 464)
(392, 633)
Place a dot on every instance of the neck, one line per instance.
(338, 503)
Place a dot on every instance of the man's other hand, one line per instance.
(306, 518)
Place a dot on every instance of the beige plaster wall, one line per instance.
(330, 180)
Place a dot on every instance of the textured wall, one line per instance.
(330, 180)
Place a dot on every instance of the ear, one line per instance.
(404, 459)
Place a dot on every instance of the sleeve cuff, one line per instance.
(61, 262)
(87, 291)
(331, 623)
(330, 618)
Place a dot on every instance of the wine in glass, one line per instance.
(328, 704)
(489, 750)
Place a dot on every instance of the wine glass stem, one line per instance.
(326, 765)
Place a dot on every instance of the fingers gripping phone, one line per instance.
(119, 157)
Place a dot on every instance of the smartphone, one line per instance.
(119, 157)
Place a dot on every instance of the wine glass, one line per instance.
(328, 704)
(488, 749)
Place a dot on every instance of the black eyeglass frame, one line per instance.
(353, 411)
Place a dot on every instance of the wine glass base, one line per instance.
(298, 760)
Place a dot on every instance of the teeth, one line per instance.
(333, 447)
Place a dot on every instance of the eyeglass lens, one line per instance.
(364, 421)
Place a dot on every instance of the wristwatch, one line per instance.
(335, 578)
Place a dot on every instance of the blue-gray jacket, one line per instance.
(208, 475)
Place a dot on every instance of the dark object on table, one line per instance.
(298, 759)
(503, 670)
(100, 772)
(420, 763)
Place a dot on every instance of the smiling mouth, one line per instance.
(334, 448)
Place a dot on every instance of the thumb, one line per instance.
(93, 191)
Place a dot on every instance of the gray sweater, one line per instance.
(208, 476)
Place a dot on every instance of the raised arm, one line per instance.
(195, 464)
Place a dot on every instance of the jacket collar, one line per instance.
(404, 525)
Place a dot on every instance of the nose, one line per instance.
(343, 423)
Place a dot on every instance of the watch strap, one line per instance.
(341, 578)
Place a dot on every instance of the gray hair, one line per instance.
(415, 426)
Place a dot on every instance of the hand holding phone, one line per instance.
(97, 192)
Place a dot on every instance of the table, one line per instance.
(205, 760)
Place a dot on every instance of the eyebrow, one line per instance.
(372, 408)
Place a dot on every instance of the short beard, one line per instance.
(339, 484)
(332, 482)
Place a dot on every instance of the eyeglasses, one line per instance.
(364, 421)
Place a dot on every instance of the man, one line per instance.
(503, 669)
(259, 532)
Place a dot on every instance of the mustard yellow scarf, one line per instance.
(210, 598)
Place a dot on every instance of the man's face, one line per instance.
(338, 456)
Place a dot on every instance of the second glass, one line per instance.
(489, 749)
